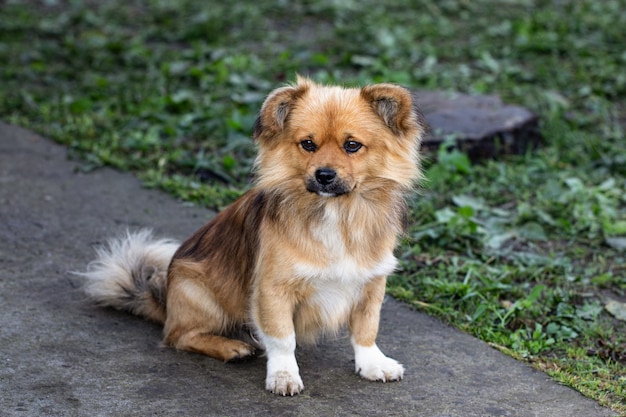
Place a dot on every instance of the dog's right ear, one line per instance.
(276, 108)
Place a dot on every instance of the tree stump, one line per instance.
(482, 126)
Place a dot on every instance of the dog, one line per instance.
(303, 253)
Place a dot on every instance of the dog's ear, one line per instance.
(394, 105)
(276, 108)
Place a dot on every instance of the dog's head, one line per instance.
(335, 141)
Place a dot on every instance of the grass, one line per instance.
(523, 252)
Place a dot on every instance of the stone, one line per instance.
(482, 126)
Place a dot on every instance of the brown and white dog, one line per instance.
(303, 253)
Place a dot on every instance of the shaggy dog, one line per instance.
(306, 251)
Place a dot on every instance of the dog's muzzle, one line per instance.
(326, 182)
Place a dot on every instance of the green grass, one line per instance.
(523, 252)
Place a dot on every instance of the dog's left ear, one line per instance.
(276, 108)
(394, 105)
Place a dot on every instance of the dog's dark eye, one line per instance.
(308, 145)
(351, 146)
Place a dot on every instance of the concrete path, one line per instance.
(61, 356)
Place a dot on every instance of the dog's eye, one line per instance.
(351, 146)
(308, 145)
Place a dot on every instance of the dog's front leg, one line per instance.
(283, 374)
(273, 316)
(370, 362)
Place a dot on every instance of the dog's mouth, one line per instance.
(326, 183)
(327, 194)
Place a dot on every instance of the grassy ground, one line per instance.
(526, 253)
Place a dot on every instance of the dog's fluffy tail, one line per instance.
(130, 274)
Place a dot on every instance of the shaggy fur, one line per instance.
(303, 253)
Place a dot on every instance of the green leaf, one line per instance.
(228, 162)
(614, 227)
(80, 105)
(496, 241)
(535, 293)
(466, 211)
(468, 201)
(532, 231)
(617, 309)
(445, 215)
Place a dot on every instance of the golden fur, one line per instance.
(305, 251)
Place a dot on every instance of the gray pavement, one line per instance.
(62, 356)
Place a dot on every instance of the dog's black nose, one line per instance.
(325, 176)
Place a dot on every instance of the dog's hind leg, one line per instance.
(215, 346)
(196, 322)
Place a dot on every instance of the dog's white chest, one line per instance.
(334, 299)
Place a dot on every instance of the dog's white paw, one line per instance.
(372, 364)
(385, 369)
(284, 383)
(283, 373)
